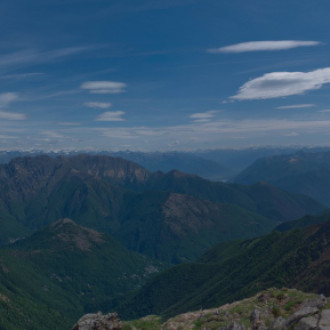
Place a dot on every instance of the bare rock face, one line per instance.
(98, 322)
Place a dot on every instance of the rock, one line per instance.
(255, 316)
(303, 312)
(318, 302)
(307, 323)
(233, 326)
(98, 322)
(324, 323)
(278, 324)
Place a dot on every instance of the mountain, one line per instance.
(259, 198)
(303, 172)
(305, 221)
(51, 278)
(186, 162)
(174, 216)
(298, 258)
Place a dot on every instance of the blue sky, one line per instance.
(163, 75)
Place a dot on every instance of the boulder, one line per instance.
(307, 323)
(301, 313)
(233, 326)
(318, 302)
(98, 322)
(324, 323)
(278, 324)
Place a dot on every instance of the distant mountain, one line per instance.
(261, 198)
(174, 217)
(51, 278)
(303, 172)
(186, 162)
(305, 221)
(238, 159)
(298, 258)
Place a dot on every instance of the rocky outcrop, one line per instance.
(272, 309)
(98, 322)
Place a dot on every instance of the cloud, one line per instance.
(6, 98)
(12, 116)
(325, 110)
(280, 84)
(20, 76)
(254, 46)
(31, 56)
(53, 134)
(111, 116)
(98, 105)
(104, 87)
(203, 116)
(69, 123)
(296, 106)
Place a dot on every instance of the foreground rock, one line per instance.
(273, 309)
(98, 322)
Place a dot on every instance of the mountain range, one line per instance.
(171, 216)
(122, 228)
(303, 172)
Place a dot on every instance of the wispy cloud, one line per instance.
(32, 56)
(254, 46)
(324, 110)
(53, 134)
(69, 123)
(203, 116)
(6, 98)
(104, 87)
(296, 106)
(98, 105)
(280, 84)
(111, 116)
(12, 116)
(21, 76)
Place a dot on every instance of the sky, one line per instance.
(163, 75)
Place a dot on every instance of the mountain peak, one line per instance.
(70, 233)
(65, 234)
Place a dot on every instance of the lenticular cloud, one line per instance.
(255, 46)
(280, 84)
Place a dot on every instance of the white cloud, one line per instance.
(6, 98)
(203, 116)
(12, 116)
(98, 105)
(111, 116)
(279, 84)
(296, 106)
(325, 110)
(253, 46)
(104, 87)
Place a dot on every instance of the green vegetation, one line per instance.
(49, 280)
(238, 269)
(174, 217)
